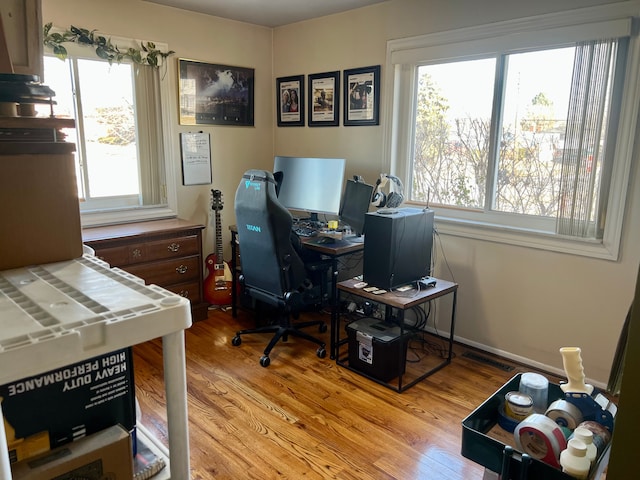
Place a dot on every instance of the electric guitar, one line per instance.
(217, 285)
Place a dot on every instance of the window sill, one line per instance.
(524, 238)
(94, 219)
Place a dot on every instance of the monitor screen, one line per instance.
(355, 205)
(311, 185)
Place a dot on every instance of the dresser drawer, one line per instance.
(190, 290)
(168, 272)
(114, 256)
(165, 248)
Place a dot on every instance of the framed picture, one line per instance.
(324, 99)
(362, 96)
(290, 101)
(212, 94)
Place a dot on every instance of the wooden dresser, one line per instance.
(167, 253)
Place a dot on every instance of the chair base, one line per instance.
(283, 332)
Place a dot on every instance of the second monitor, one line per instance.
(355, 205)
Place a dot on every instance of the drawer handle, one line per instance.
(182, 269)
(174, 247)
(184, 293)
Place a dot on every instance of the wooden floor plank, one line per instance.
(305, 417)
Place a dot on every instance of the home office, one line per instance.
(520, 300)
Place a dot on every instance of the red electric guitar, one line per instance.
(217, 285)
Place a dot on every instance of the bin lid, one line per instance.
(376, 328)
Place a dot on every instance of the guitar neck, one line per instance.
(218, 240)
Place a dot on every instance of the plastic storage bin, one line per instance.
(57, 314)
(479, 446)
(374, 348)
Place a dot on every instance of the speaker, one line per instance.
(396, 192)
(397, 247)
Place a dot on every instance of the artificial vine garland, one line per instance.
(148, 54)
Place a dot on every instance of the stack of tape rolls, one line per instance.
(564, 414)
(541, 438)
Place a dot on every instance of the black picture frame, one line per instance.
(290, 113)
(213, 94)
(362, 96)
(324, 99)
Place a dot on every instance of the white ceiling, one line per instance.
(270, 13)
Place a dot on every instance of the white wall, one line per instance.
(520, 302)
(203, 38)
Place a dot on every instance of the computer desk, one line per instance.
(333, 250)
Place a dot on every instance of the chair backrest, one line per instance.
(269, 261)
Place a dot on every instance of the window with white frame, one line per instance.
(120, 161)
(520, 131)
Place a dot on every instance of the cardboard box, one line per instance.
(60, 406)
(103, 455)
(40, 216)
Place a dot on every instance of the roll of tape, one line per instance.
(564, 414)
(541, 438)
(601, 436)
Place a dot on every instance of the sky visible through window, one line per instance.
(108, 123)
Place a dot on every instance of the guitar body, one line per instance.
(217, 285)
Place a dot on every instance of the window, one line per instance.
(120, 164)
(517, 131)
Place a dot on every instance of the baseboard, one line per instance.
(515, 358)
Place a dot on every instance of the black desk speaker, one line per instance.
(397, 247)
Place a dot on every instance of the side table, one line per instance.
(399, 302)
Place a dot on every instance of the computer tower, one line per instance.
(397, 246)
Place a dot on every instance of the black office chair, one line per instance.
(272, 271)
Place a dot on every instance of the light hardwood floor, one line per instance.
(305, 417)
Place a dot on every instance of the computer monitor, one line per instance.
(355, 205)
(312, 185)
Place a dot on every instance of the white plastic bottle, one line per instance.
(586, 436)
(574, 459)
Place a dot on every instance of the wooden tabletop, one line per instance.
(402, 300)
(332, 247)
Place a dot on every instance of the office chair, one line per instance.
(272, 271)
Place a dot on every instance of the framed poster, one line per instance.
(290, 101)
(211, 94)
(324, 99)
(362, 96)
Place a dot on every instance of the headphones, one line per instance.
(395, 196)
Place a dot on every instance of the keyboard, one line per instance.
(303, 231)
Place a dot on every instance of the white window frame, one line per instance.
(403, 56)
(150, 212)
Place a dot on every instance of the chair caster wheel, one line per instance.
(235, 341)
(323, 327)
(265, 361)
(321, 352)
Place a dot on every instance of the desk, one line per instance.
(401, 302)
(334, 250)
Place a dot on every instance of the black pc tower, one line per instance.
(397, 247)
